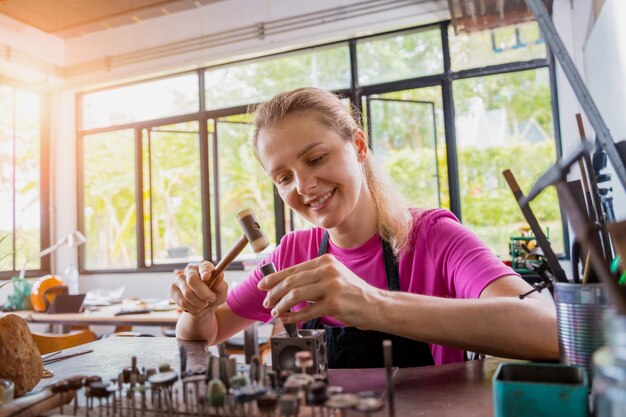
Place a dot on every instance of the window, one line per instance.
(407, 134)
(504, 121)
(252, 82)
(172, 194)
(405, 55)
(22, 183)
(498, 46)
(240, 183)
(145, 101)
(109, 202)
(164, 174)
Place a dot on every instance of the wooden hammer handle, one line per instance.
(227, 259)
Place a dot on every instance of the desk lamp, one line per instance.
(72, 240)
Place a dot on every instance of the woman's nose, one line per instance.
(305, 184)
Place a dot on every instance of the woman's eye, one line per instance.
(317, 160)
(283, 180)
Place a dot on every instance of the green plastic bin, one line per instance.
(540, 390)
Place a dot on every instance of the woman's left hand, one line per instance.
(330, 286)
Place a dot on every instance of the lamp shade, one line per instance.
(75, 239)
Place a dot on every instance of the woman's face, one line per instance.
(317, 172)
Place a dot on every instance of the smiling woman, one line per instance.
(372, 268)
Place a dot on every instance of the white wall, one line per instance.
(598, 49)
(605, 68)
(572, 20)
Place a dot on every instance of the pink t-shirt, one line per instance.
(446, 260)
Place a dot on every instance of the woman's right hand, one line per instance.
(191, 292)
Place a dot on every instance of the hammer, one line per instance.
(251, 233)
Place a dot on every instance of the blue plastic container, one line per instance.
(540, 390)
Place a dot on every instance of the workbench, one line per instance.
(453, 390)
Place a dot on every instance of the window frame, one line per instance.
(354, 93)
(44, 181)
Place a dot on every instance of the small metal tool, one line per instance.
(290, 328)
(63, 357)
(387, 353)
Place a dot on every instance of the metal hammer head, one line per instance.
(252, 230)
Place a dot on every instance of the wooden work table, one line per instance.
(461, 389)
(103, 316)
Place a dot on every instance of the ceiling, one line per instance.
(69, 18)
(477, 15)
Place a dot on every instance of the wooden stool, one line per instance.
(47, 342)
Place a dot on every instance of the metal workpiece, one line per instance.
(285, 348)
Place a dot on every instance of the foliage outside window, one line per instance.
(242, 184)
(172, 200)
(251, 82)
(503, 122)
(20, 180)
(109, 208)
(406, 55)
(407, 134)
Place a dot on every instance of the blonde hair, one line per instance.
(393, 215)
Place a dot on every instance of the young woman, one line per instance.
(372, 268)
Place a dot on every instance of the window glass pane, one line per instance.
(147, 203)
(397, 57)
(213, 203)
(498, 46)
(146, 101)
(6, 178)
(408, 137)
(503, 122)
(176, 206)
(252, 82)
(242, 184)
(6, 251)
(27, 180)
(109, 200)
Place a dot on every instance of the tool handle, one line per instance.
(228, 258)
(290, 328)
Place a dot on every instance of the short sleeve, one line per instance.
(467, 264)
(246, 299)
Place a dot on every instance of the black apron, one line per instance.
(349, 347)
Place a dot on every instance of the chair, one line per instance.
(47, 342)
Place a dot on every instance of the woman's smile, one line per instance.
(319, 203)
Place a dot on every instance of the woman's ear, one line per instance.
(360, 142)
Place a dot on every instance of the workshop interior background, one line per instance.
(126, 119)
